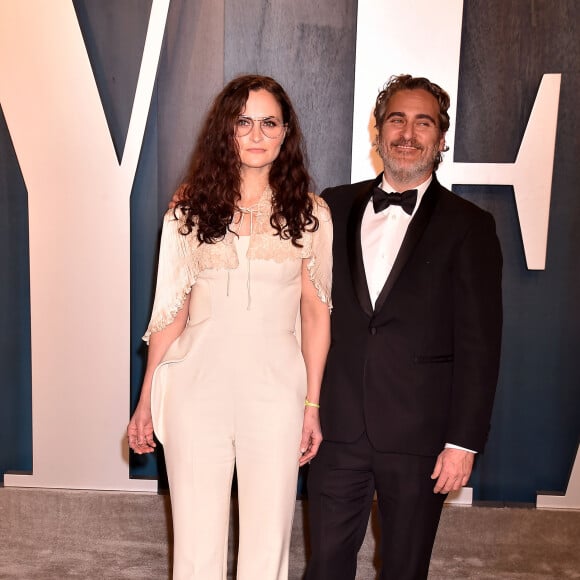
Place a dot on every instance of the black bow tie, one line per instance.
(382, 200)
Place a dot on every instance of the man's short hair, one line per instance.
(408, 83)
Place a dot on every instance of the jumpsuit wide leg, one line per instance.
(236, 397)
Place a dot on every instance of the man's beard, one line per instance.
(401, 171)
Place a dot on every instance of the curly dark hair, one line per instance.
(211, 188)
(408, 83)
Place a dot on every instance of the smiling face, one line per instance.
(258, 152)
(410, 138)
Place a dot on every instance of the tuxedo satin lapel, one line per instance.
(411, 239)
(357, 270)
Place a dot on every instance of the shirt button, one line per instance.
(373, 330)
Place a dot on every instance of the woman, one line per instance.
(245, 255)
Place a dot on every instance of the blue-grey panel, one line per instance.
(309, 47)
(536, 421)
(145, 228)
(190, 73)
(15, 362)
(114, 32)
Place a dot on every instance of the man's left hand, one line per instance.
(452, 470)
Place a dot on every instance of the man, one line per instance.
(416, 328)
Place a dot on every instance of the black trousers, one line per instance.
(341, 484)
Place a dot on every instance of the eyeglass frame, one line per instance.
(261, 120)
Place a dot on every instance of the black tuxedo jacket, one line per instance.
(421, 368)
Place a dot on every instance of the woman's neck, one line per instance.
(252, 187)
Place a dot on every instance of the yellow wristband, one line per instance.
(307, 403)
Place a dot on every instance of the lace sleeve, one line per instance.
(320, 252)
(174, 275)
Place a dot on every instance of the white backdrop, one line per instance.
(79, 274)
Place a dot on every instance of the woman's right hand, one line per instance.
(140, 430)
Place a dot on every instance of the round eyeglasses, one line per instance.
(271, 127)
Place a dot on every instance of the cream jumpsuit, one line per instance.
(231, 390)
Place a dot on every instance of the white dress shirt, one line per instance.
(381, 238)
(382, 234)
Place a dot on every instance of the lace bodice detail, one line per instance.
(182, 258)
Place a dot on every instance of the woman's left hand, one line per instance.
(311, 435)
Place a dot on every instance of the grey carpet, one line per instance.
(53, 534)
